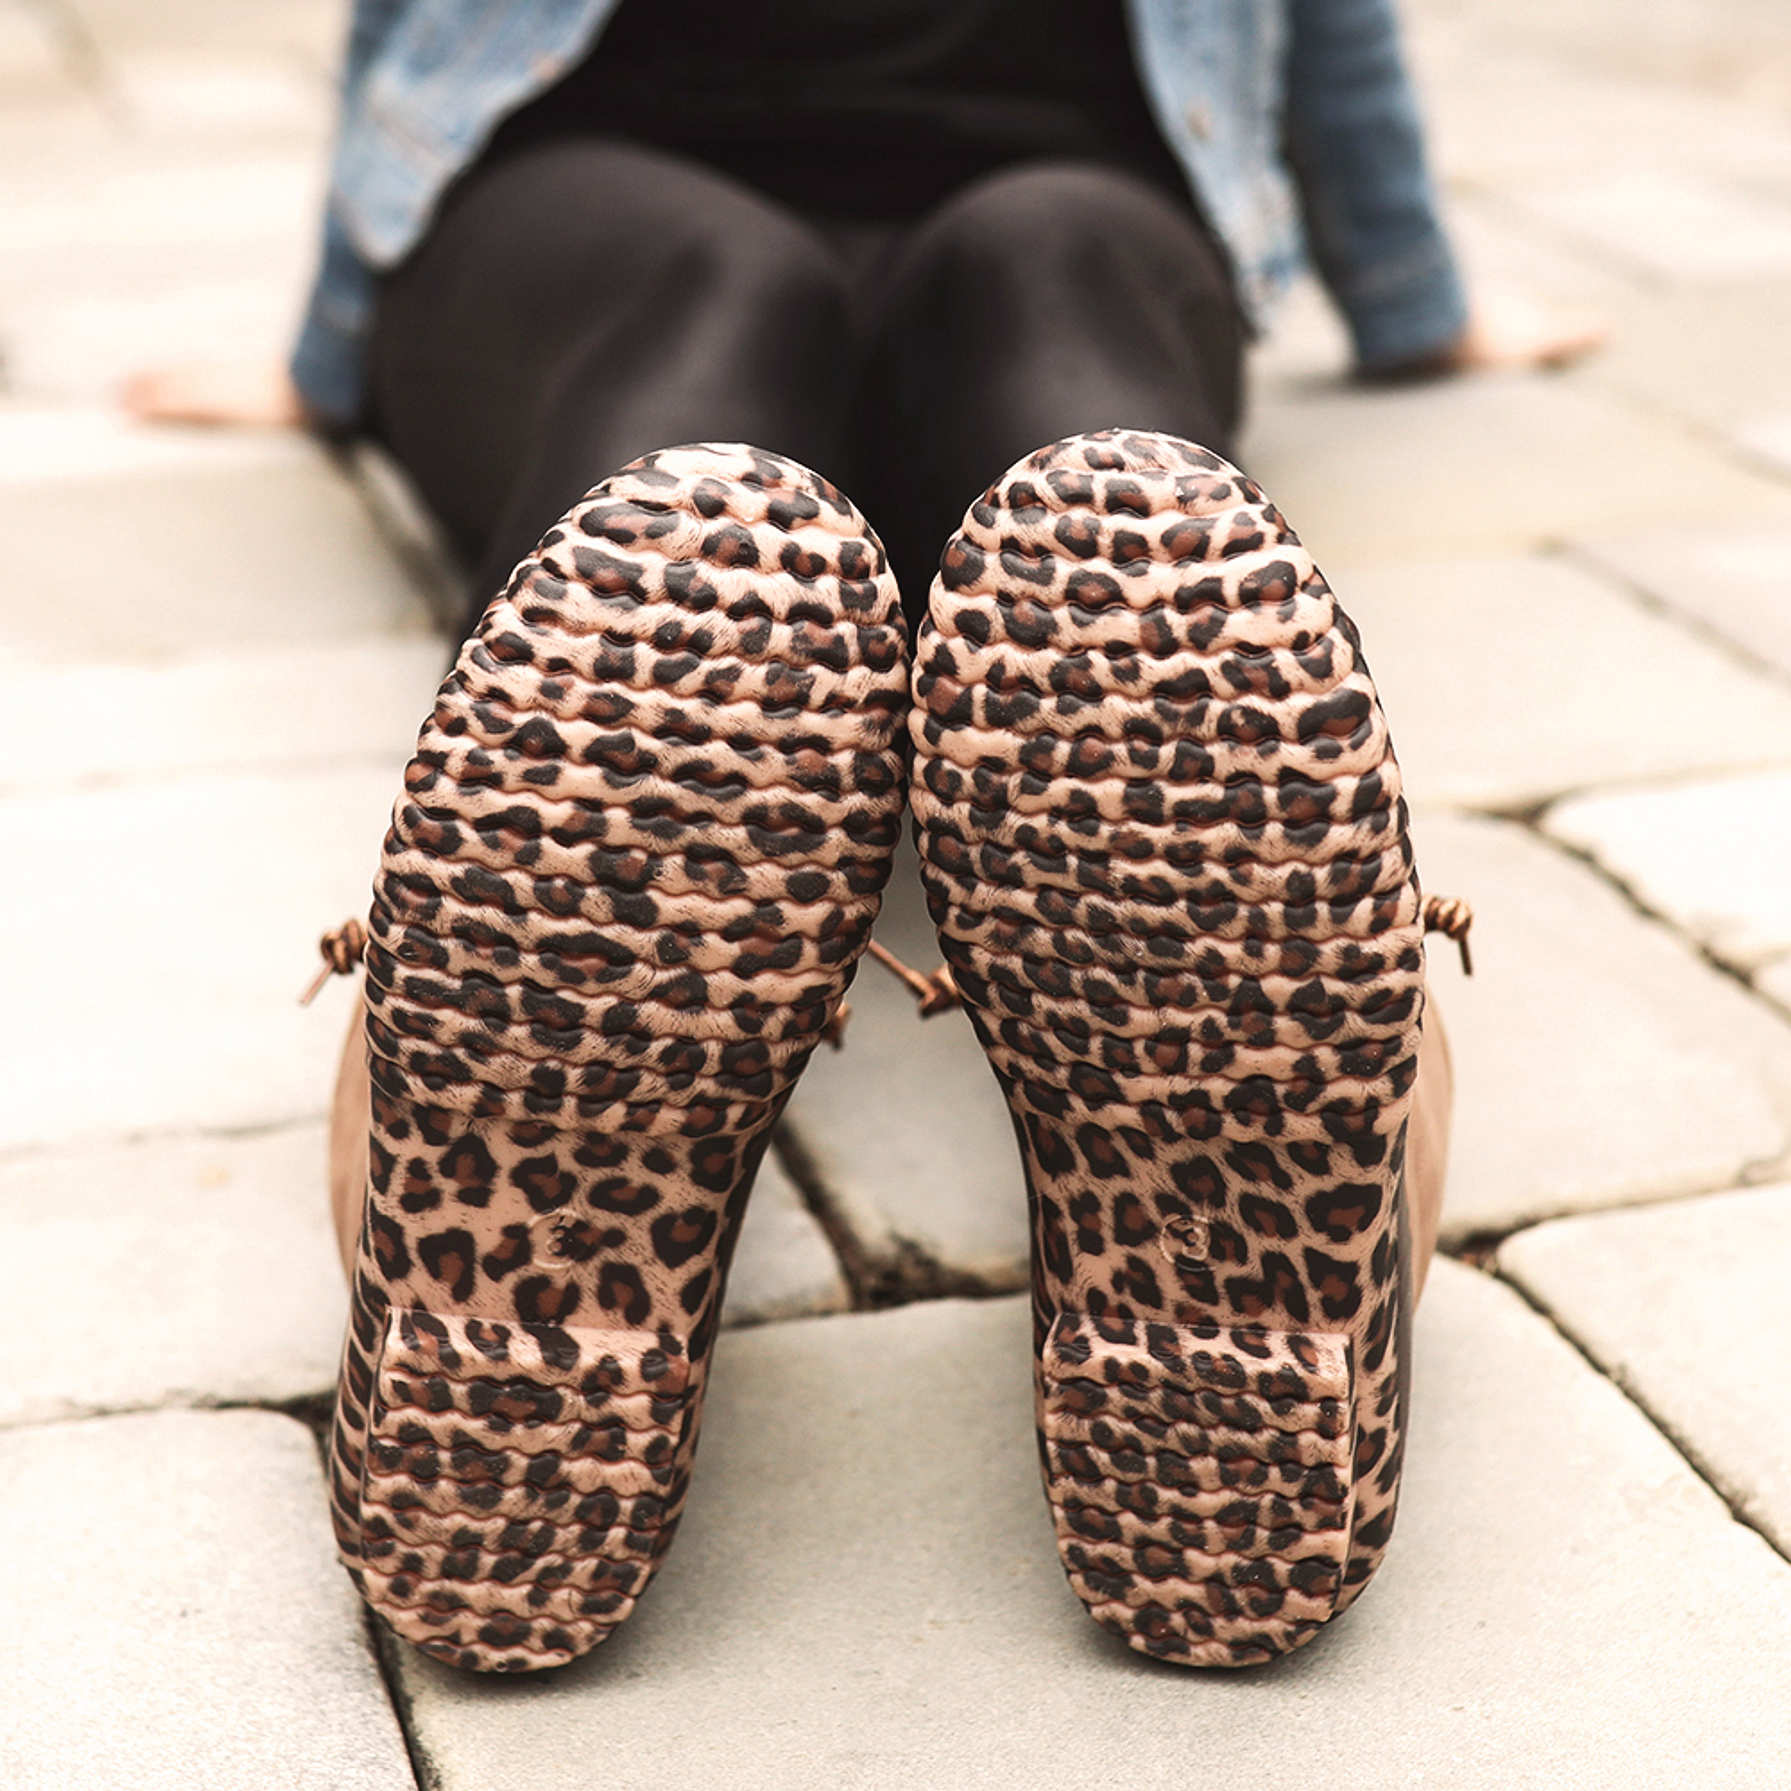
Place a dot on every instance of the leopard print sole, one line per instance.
(1164, 845)
(638, 852)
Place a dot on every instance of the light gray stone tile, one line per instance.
(121, 544)
(48, 123)
(1488, 465)
(1676, 49)
(207, 1269)
(1685, 1306)
(31, 54)
(1674, 224)
(1734, 583)
(1713, 857)
(904, 1130)
(1504, 103)
(275, 708)
(115, 215)
(1774, 981)
(81, 345)
(1769, 437)
(412, 534)
(172, 928)
(1509, 680)
(1598, 1059)
(865, 1595)
(783, 1265)
(198, 90)
(46, 445)
(1711, 354)
(175, 1617)
(312, 30)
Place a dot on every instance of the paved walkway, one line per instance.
(1577, 595)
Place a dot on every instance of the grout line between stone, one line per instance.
(310, 1409)
(1585, 560)
(903, 1274)
(94, 1141)
(794, 1158)
(1681, 1446)
(385, 1648)
(1530, 818)
(378, 1639)
(1582, 856)
(1478, 1247)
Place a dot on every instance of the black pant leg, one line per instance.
(581, 301)
(1036, 303)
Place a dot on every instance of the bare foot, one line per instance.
(1505, 333)
(216, 394)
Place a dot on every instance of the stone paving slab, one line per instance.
(1768, 438)
(1673, 224)
(135, 210)
(1732, 583)
(30, 52)
(1735, 57)
(1500, 109)
(904, 1131)
(1598, 1059)
(172, 928)
(1774, 981)
(175, 1617)
(1711, 353)
(1684, 1305)
(208, 1273)
(308, 31)
(278, 709)
(120, 543)
(1713, 857)
(235, 96)
(82, 345)
(865, 1595)
(1495, 464)
(1509, 680)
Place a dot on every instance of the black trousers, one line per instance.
(583, 300)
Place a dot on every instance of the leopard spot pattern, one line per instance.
(1165, 846)
(637, 854)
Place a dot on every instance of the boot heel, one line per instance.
(1200, 1481)
(521, 1482)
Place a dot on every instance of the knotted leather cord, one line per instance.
(341, 948)
(1451, 916)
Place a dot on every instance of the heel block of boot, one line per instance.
(1200, 1481)
(521, 1483)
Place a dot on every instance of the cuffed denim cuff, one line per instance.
(327, 366)
(1411, 312)
(329, 360)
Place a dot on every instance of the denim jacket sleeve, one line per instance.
(327, 359)
(1356, 144)
(423, 85)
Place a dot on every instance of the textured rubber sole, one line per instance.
(1164, 844)
(1199, 1480)
(640, 848)
(525, 1483)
